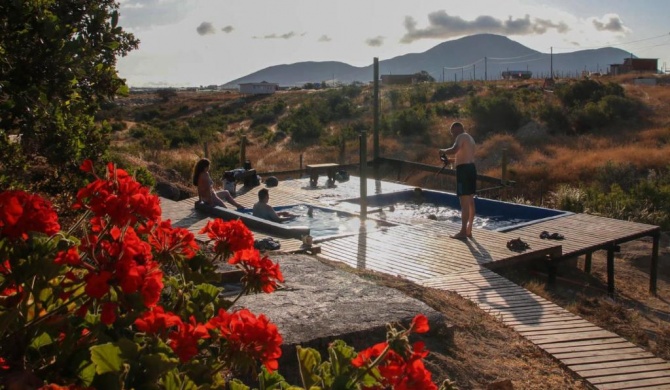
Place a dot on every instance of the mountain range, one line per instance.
(471, 57)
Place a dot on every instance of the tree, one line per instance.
(57, 64)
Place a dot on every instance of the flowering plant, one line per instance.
(125, 300)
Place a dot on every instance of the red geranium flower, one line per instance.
(248, 338)
(108, 315)
(69, 257)
(21, 213)
(120, 198)
(228, 236)
(167, 240)
(156, 320)
(184, 342)
(260, 274)
(97, 285)
(420, 324)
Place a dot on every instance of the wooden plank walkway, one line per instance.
(602, 358)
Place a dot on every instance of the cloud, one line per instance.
(442, 25)
(228, 29)
(146, 13)
(206, 28)
(375, 42)
(324, 38)
(288, 35)
(609, 22)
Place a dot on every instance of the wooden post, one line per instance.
(610, 271)
(375, 111)
(504, 167)
(587, 263)
(364, 174)
(301, 163)
(343, 149)
(243, 150)
(653, 272)
(205, 149)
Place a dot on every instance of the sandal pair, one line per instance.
(551, 236)
(517, 245)
(267, 244)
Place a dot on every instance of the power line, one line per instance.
(609, 44)
(464, 66)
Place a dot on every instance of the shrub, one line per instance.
(407, 122)
(303, 125)
(568, 198)
(555, 118)
(494, 113)
(448, 91)
(583, 91)
(144, 177)
(447, 110)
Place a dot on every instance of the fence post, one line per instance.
(504, 167)
(205, 149)
(243, 150)
(300, 163)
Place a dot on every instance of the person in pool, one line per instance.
(262, 209)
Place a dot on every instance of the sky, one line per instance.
(211, 42)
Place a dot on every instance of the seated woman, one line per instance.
(205, 184)
(263, 210)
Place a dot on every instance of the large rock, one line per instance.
(168, 190)
(321, 303)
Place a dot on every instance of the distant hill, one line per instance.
(460, 58)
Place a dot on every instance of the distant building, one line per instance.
(395, 79)
(645, 65)
(516, 74)
(261, 88)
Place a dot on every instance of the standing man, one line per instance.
(466, 176)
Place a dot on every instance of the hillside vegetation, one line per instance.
(599, 145)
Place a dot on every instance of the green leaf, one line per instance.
(107, 358)
(176, 381)
(115, 18)
(123, 90)
(270, 381)
(340, 355)
(42, 340)
(235, 384)
(207, 290)
(309, 360)
(86, 373)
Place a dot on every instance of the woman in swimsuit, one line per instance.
(205, 184)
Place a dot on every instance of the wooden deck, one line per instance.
(421, 251)
(585, 234)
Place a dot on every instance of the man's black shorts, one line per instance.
(466, 179)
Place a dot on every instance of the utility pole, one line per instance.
(443, 74)
(551, 62)
(474, 72)
(462, 73)
(486, 70)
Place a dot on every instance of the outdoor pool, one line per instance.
(325, 222)
(444, 206)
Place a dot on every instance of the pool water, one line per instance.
(405, 206)
(409, 210)
(325, 222)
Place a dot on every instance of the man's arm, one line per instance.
(454, 148)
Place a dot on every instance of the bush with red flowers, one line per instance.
(125, 300)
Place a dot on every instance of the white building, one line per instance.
(258, 88)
